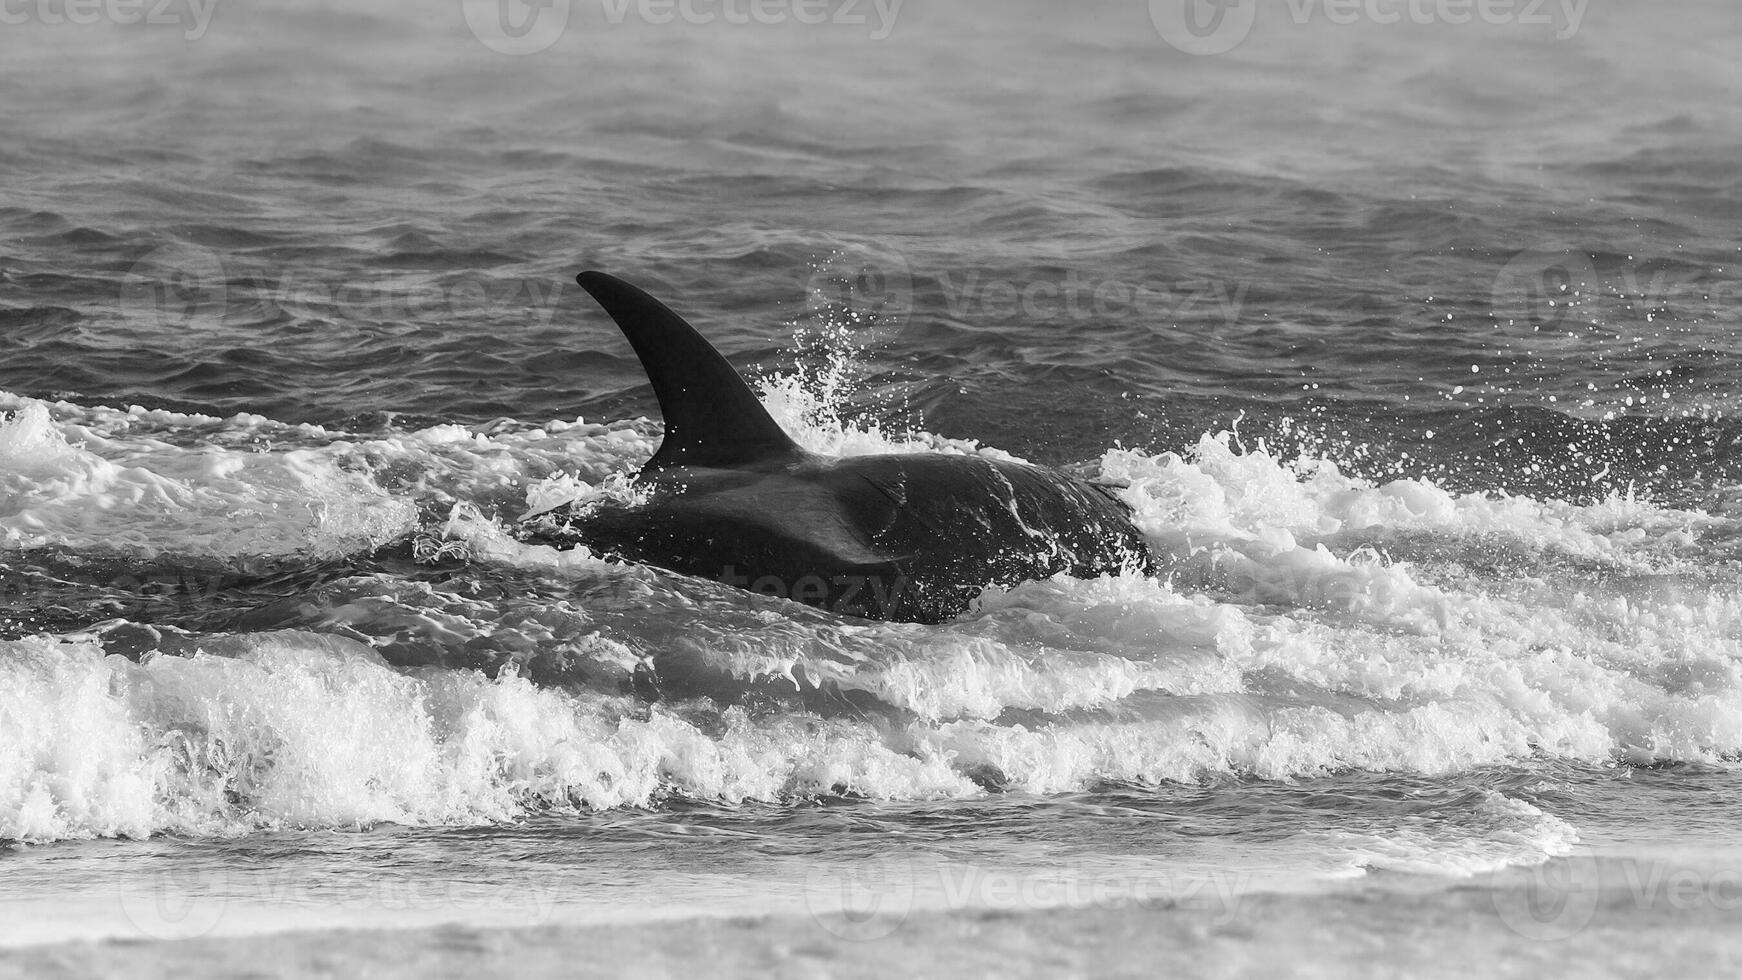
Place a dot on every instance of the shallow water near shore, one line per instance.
(1412, 348)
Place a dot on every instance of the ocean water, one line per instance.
(1413, 344)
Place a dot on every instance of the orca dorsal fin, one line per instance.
(712, 418)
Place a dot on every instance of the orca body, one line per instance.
(911, 536)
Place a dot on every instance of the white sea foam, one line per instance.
(1499, 833)
(297, 729)
(1285, 638)
(64, 484)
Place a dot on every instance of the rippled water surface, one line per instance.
(1412, 346)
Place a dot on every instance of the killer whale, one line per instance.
(910, 537)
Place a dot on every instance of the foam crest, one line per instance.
(507, 473)
(1494, 833)
(145, 496)
(1337, 657)
(1053, 656)
(75, 764)
(1215, 493)
(1307, 623)
(481, 537)
(1130, 682)
(297, 729)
